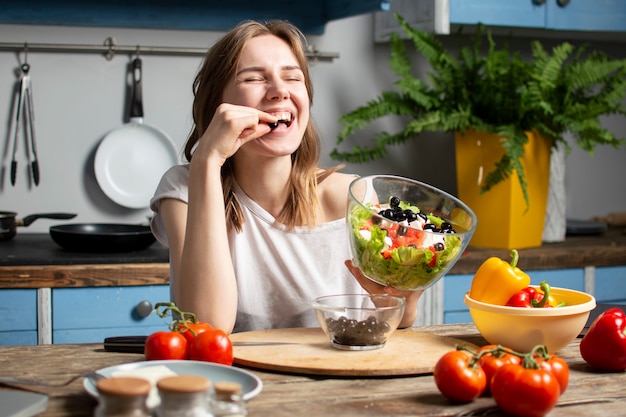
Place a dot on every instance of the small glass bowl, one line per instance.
(359, 321)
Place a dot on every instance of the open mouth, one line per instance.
(284, 118)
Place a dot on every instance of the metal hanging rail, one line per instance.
(109, 49)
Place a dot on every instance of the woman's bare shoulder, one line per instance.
(333, 193)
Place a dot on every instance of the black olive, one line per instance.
(394, 201)
(402, 230)
(430, 226)
(439, 246)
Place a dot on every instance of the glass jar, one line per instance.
(122, 397)
(228, 400)
(184, 396)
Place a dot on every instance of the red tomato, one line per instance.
(212, 346)
(458, 380)
(559, 369)
(491, 362)
(165, 345)
(191, 330)
(525, 392)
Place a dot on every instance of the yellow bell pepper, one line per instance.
(496, 280)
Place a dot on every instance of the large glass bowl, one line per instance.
(410, 253)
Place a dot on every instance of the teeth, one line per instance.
(283, 117)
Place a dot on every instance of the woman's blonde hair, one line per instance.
(218, 69)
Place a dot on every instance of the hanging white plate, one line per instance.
(130, 162)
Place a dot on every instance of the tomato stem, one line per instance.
(528, 359)
(179, 318)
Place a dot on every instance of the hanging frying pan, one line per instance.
(131, 159)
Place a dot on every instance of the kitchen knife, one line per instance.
(135, 344)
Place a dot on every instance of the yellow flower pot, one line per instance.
(504, 219)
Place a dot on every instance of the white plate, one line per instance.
(251, 385)
(130, 162)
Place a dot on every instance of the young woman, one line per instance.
(255, 229)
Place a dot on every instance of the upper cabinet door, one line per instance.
(512, 13)
(590, 15)
(587, 15)
(568, 15)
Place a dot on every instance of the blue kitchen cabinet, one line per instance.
(610, 284)
(216, 15)
(438, 16)
(455, 287)
(18, 317)
(588, 15)
(88, 315)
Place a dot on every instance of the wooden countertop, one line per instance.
(589, 393)
(606, 249)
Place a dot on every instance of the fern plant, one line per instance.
(564, 90)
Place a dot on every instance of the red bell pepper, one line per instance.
(604, 345)
(529, 297)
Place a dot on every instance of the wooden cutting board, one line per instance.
(308, 351)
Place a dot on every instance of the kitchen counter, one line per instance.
(40, 249)
(36, 261)
(589, 393)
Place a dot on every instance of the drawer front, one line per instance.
(18, 338)
(454, 309)
(18, 313)
(573, 278)
(611, 284)
(18, 309)
(87, 315)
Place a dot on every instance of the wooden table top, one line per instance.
(589, 393)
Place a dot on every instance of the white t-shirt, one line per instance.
(279, 272)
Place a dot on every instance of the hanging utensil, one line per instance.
(131, 159)
(24, 109)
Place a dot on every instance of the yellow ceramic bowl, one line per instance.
(522, 328)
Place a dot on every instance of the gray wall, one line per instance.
(80, 97)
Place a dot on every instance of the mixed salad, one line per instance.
(402, 246)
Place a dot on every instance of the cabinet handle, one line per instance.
(539, 2)
(562, 3)
(143, 309)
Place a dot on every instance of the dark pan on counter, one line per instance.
(102, 237)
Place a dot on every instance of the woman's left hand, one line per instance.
(412, 297)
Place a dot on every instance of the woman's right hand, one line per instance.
(231, 127)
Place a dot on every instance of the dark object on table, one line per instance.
(102, 237)
(585, 227)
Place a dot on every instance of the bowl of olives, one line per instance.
(359, 321)
(404, 233)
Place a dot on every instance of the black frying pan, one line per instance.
(102, 237)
